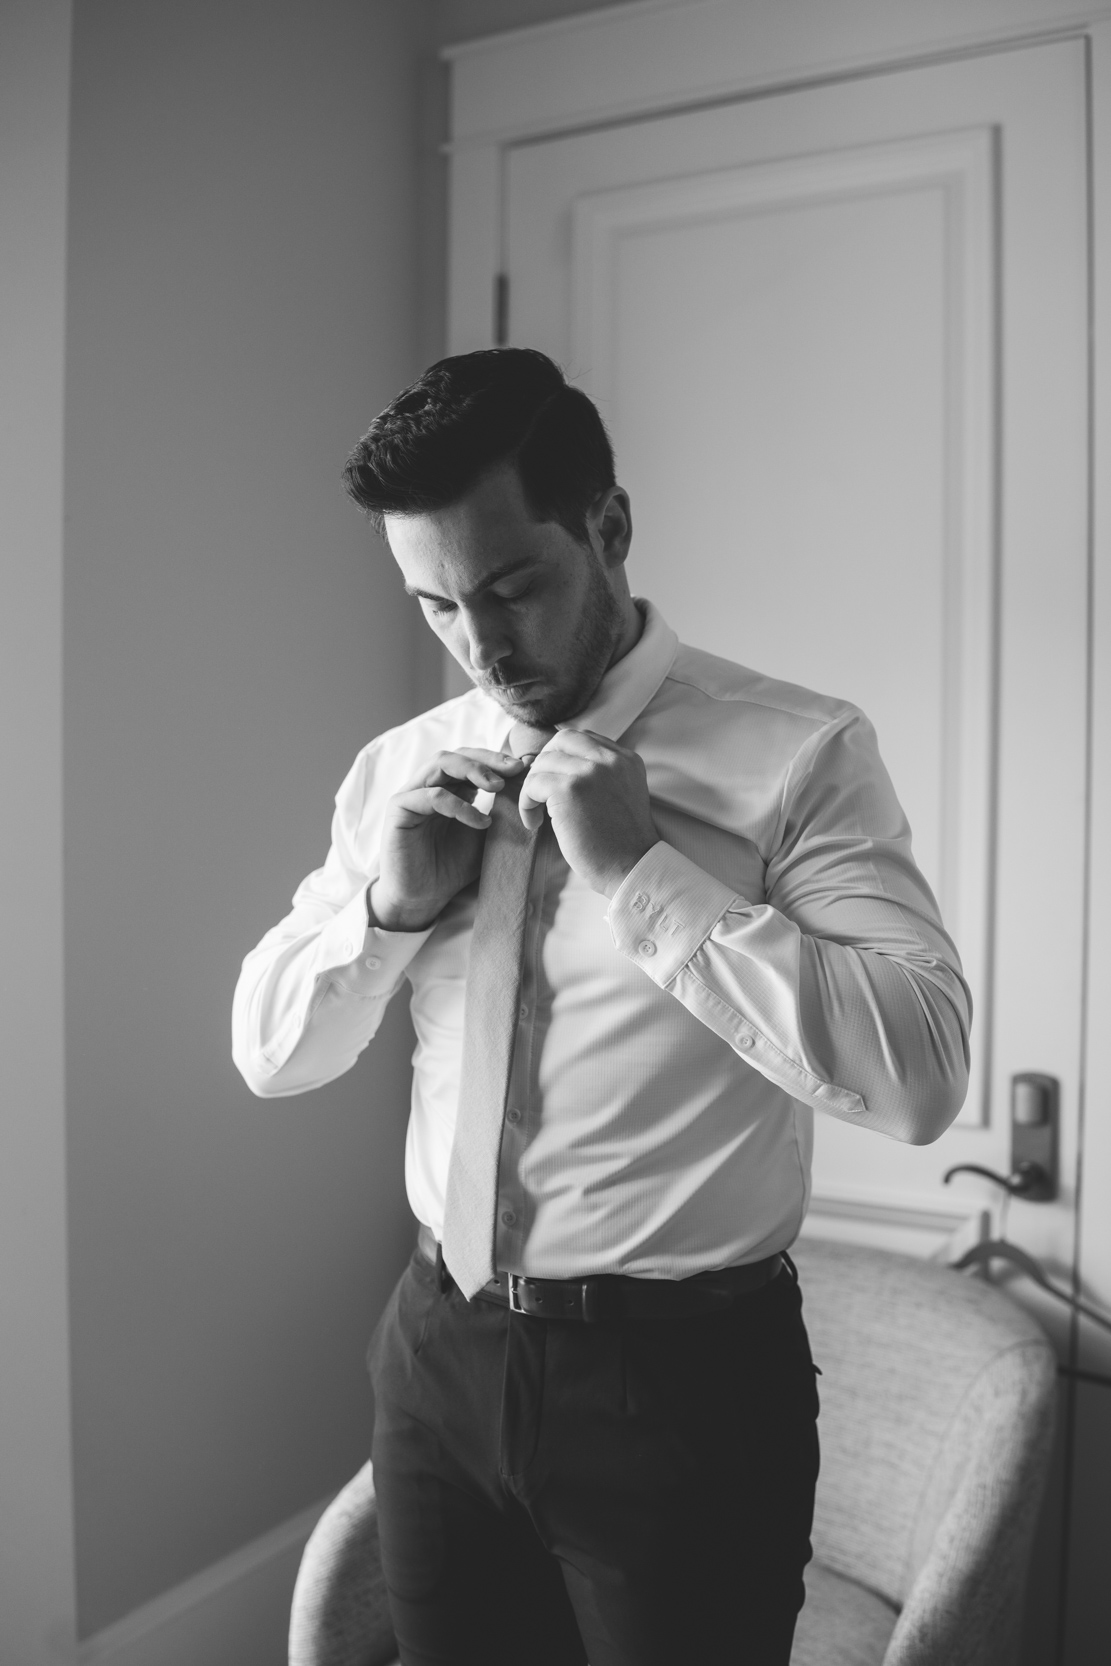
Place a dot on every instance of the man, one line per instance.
(595, 1426)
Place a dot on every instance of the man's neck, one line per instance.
(631, 630)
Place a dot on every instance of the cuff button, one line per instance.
(647, 948)
(372, 963)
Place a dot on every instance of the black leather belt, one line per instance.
(609, 1296)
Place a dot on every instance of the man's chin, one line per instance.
(543, 704)
(537, 703)
(541, 713)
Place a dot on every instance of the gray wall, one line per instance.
(241, 301)
(255, 265)
(36, 1542)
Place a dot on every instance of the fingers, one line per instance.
(420, 803)
(584, 744)
(550, 771)
(532, 813)
(568, 759)
(505, 762)
(473, 768)
(571, 756)
(448, 783)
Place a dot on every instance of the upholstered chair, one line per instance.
(938, 1395)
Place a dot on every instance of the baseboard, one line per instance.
(234, 1613)
(933, 1228)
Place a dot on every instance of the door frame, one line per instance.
(657, 57)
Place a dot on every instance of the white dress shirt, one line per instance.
(776, 951)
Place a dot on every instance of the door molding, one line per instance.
(579, 70)
(663, 56)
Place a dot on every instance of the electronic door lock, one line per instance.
(1035, 1104)
(1035, 1114)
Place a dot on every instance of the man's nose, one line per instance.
(487, 642)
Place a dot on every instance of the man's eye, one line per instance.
(437, 607)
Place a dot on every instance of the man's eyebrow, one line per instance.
(499, 573)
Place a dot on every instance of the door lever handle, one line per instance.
(1027, 1177)
(1035, 1104)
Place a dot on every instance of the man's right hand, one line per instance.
(433, 835)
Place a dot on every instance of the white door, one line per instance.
(839, 335)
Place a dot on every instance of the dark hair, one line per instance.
(468, 414)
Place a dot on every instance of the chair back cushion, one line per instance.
(933, 1386)
(340, 1614)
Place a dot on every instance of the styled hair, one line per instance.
(468, 414)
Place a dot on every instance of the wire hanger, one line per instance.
(1001, 1248)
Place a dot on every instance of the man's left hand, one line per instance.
(596, 793)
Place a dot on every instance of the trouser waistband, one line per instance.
(608, 1296)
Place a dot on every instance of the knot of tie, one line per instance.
(526, 739)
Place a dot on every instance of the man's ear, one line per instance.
(610, 519)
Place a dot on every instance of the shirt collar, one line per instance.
(628, 686)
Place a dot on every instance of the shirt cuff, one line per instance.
(664, 910)
(369, 959)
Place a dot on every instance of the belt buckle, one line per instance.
(514, 1294)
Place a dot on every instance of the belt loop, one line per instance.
(789, 1264)
(443, 1277)
(591, 1301)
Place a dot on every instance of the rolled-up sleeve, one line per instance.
(843, 986)
(312, 995)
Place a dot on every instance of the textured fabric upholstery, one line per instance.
(340, 1614)
(937, 1419)
(842, 1623)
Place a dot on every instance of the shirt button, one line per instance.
(513, 1116)
(507, 1217)
(745, 1042)
(372, 963)
(524, 1011)
(647, 947)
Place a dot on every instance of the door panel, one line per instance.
(839, 335)
(856, 282)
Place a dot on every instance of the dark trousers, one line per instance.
(633, 1494)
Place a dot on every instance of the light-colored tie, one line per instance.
(490, 1021)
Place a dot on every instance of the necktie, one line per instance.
(489, 1030)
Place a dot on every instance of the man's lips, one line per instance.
(509, 688)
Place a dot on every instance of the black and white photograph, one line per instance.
(556, 671)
